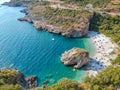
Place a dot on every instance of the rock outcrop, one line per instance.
(14, 76)
(13, 4)
(79, 29)
(31, 82)
(75, 56)
(42, 25)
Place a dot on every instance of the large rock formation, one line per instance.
(75, 56)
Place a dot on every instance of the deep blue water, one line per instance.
(34, 52)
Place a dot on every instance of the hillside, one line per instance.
(10, 79)
(105, 80)
(66, 17)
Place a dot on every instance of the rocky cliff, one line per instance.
(67, 22)
(60, 25)
(14, 76)
(75, 56)
(42, 25)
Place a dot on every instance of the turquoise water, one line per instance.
(34, 52)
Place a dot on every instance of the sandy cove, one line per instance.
(104, 47)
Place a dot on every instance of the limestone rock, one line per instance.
(75, 56)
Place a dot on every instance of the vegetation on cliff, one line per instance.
(6, 76)
(11, 87)
(7, 80)
(106, 79)
(64, 18)
(95, 3)
(109, 4)
(117, 60)
(64, 84)
(108, 25)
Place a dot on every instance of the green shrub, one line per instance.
(11, 87)
(108, 25)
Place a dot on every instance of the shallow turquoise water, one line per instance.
(34, 52)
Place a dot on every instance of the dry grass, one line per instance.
(114, 4)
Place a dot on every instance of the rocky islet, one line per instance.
(75, 56)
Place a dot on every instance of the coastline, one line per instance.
(103, 53)
(90, 68)
(73, 74)
(41, 23)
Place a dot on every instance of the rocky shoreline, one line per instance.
(17, 77)
(41, 24)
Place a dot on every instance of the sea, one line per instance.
(36, 52)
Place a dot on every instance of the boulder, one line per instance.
(75, 56)
(25, 11)
(31, 82)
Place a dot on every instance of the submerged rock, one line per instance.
(44, 85)
(26, 18)
(75, 56)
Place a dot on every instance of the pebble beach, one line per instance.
(101, 59)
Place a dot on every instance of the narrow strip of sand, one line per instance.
(101, 59)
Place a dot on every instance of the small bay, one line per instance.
(36, 52)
